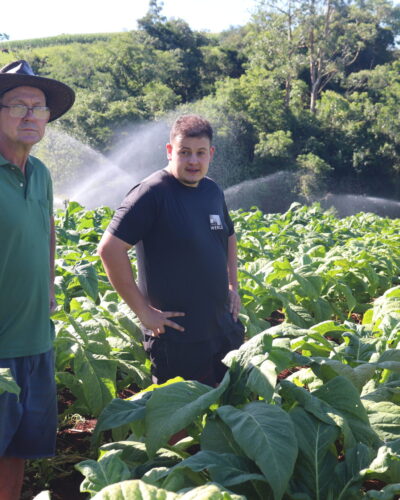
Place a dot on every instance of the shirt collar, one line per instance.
(4, 162)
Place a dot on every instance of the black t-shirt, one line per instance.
(181, 237)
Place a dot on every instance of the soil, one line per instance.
(288, 371)
(277, 317)
(58, 474)
(375, 484)
(357, 318)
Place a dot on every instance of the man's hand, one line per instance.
(53, 304)
(52, 300)
(234, 303)
(114, 254)
(157, 320)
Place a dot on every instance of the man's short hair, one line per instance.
(191, 126)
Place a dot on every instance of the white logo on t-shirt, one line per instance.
(215, 222)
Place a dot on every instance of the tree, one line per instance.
(275, 145)
(176, 35)
(334, 34)
(274, 43)
(312, 175)
(323, 37)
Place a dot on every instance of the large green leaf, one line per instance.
(341, 395)
(131, 327)
(344, 289)
(385, 466)
(238, 473)
(237, 392)
(120, 412)
(182, 478)
(43, 495)
(68, 380)
(285, 358)
(357, 349)
(262, 378)
(173, 407)
(134, 490)
(87, 276)
(390, 391)
(224, 468)
(390, 360)
(389, 492)
(309, 288)
(384, 417)
(93, 378)
(260, 344)
(98, 378)
(390, 355)
(298, 315)
(320, 308)
(317, 407)
(331, 328)
(348, 472)
(79, 333)
(7, 383)
(287, 330)
(134, 454)
(217, 436)
(336, 402)
(210, 492)
(313, 473)
(109, 469)
(134, 369)
(139, 490)
(328, 369)
(313, 344)
(266, 435)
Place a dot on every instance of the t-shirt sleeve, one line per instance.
(135, 217)
(228, 220)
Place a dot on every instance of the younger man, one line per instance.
(186, 254)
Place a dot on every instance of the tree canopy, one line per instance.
(307, 86)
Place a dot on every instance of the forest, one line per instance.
(309, 87)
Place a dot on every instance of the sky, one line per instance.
(25, 19)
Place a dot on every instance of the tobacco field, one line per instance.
(310, 406)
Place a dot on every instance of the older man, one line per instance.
(28, 423)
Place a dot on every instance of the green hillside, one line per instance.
(312, 88)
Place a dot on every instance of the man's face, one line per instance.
(189, 159)
(25, 131)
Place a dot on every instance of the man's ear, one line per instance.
(169, 151)
(212, 151)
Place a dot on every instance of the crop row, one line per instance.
(309, 408)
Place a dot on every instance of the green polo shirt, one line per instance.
(25, 209)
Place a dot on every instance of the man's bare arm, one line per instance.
(234, 298)
(114, 255)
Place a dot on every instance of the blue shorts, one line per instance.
(28, 424)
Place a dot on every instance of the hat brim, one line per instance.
(59, 96)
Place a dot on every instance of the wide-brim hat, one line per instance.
(59, 97)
